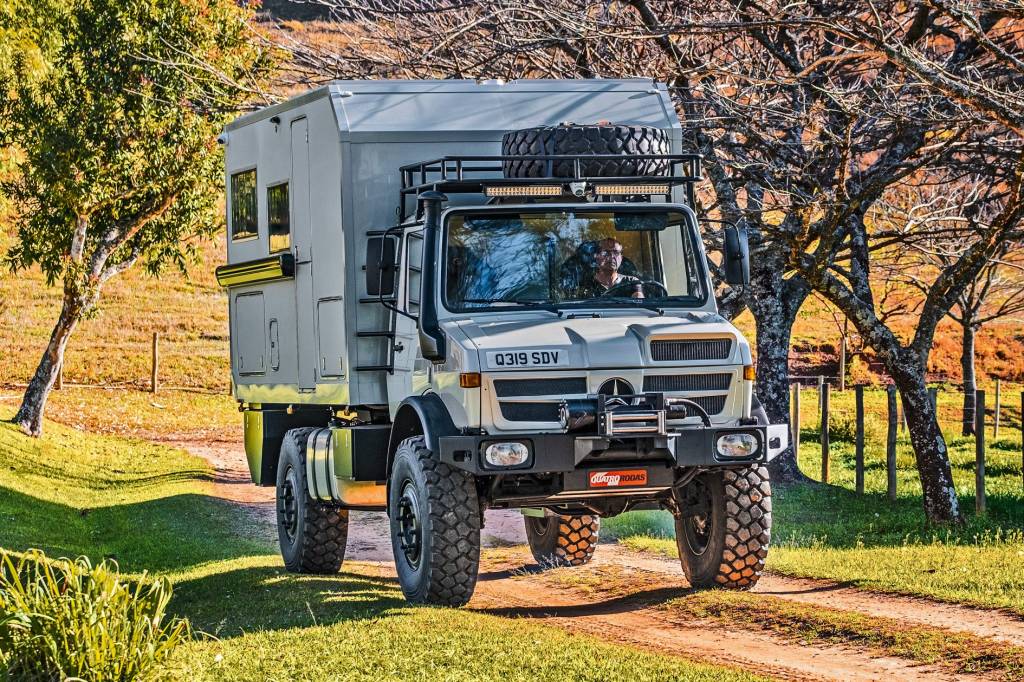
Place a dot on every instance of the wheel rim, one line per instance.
(699, 527)
(410, 531)
(542, 526)
(288, 505)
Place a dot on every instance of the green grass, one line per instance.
(832, 533)
(74, 493)
(354, 626)
(148, 507)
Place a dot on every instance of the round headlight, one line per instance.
(737, 445)
(506, 454)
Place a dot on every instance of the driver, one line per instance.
(606, 275)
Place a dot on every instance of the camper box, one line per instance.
(311, 180)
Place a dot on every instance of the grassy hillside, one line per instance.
(113, 347)
(149, 507)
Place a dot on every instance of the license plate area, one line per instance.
(529, 358)
(619, 478)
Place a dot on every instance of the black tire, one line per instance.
(435, 526)
(585, 139)
(726, 545)
(562, 540)
(312, 534)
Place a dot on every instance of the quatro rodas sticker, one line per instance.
(618, 479)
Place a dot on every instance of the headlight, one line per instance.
(506, 454)
(737, 445)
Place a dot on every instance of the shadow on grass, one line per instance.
(232, 602)
(613, 605)
(159, 535)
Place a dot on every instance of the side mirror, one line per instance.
(381, 265)
(736, 259)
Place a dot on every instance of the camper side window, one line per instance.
(243, 204)
(278, 218)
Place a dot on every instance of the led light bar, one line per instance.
(523, 191)
(631, 189)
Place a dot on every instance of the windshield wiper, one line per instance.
(617, 302)
(544, 305)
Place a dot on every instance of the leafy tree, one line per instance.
(116, 125)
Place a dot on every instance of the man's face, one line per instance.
(609, 255)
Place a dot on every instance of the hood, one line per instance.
(528, 341)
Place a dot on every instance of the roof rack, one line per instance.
(474, 174)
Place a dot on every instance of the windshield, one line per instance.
(551, 258)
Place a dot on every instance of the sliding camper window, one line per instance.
(278, 217)
(243, 205)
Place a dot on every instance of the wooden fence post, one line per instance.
(979, 452)
(155, 372)
(933, 395)
(890, 445)
(795, 421)
(842, 363)
(995, 423)
(859, 395)
(821, 382)
(824, 434)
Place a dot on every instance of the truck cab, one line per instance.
(543, 332)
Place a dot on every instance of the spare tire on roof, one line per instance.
(568, 138)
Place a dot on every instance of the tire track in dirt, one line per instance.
(995, 624)
(634, 620)
(507, 589)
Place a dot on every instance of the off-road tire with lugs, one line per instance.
(562, 540)
(312, 534)
(726, 545)
(623, 140)
(434, 514)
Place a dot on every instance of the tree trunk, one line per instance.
(969, 378)
(940, 501)
(774, 304)
(30, 414)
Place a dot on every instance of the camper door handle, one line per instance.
(399, 347)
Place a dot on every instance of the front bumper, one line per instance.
(566, 452)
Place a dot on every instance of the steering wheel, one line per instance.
(625, 288)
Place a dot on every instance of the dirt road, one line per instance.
(511, 585)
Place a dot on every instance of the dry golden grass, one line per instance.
(113, 347)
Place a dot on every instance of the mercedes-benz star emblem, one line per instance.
(613, 388)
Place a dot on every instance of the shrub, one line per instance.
(68, 619)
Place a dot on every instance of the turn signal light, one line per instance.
(748, 372)
(523, 191)
(469, 380)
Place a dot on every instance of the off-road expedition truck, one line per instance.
(453, 296)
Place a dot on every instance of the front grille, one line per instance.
(702, 349)
(687, 382)
(530, 412)
(515, 388)
(712, 404)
